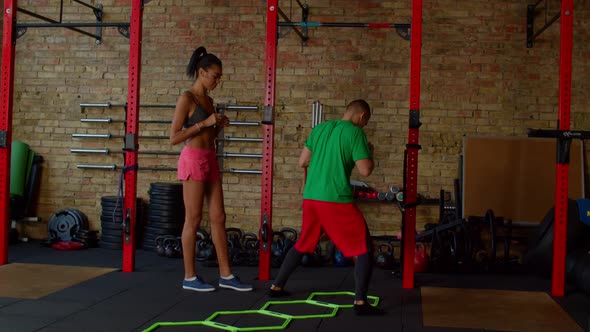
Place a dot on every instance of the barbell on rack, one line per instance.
(108, 135)
(110, 120)
(218, 106)
(115, 167)
(224, 154)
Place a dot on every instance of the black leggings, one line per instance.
(362, 270)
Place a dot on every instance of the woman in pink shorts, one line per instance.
(196, 124)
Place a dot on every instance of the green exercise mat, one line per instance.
(19, 168)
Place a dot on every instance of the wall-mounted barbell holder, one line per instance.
(171, 153)
(218, 106)
(115, 167)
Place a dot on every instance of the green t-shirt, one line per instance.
(335, 147)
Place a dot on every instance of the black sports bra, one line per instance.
(199, 114)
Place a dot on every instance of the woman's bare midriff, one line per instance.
(205, 140)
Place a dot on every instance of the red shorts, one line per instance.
(344, 223)
(198, 164)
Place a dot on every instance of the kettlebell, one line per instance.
(385, 259)
(202, 251)
(209, 254)
(178, 247)
(340, 260)
(169, 245)
(289, 239)
(160, 250)
(312, 259)
(277, 251)
(201, 236)
(420, 258)
(250, 246)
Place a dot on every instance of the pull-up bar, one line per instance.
(531, 35)
(346, 25)
(401, 29)
(122, 26)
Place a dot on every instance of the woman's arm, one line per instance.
(179, 134)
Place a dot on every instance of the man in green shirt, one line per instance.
(330, 153)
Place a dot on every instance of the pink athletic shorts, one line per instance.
(344, 223)
(198, 164)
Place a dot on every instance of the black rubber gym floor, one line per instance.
(118, 301)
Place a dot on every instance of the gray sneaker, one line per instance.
(235, 284)
(197, 285)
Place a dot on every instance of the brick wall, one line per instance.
(478, 77)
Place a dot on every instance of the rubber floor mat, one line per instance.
(499, 310)
(33, 281)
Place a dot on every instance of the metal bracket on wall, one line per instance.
(531, 35)
(403, 30)
(304, 15)
(21, 28)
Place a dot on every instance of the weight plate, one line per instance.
(111, 225)
(81, 216)
(161, 231)
(165, 225)
(112, 238)
(166, 186)
(166, 207)
(110, 219)
(167, 202)
(109, 245)
(170, 220)
(166, 194)
(165, 213)
(150, 237)
(63, 225)
(111, 232)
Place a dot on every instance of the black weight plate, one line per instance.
(166, 200)
(175, 221)
(120, 204)
(165, 197)
(111, 232)
(150, 237)
(112, 238)
(165, 186)
(109, 245)
(111, 218)
(111, 209)
(111, 212)
(151, 243)
(111, 225)
(176, 218)
(165, 193)
(164, 225)
(80, 237)
(160, 231)
(81, 216)
(166, 207)
(87, 231)
(108, 213)
(113, 199)
(109, 198)
(164, 213)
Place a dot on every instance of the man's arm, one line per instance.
(365, 166)
(304, 159)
